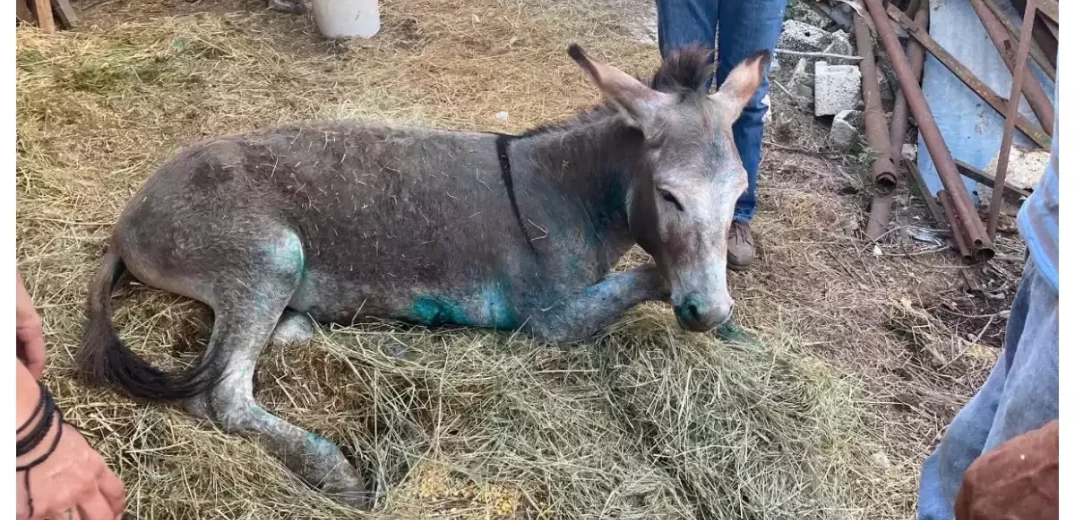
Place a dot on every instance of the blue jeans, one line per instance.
(1020, 395)
(746, 26)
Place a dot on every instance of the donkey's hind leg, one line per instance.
(582, 315)
(294, 328)
(243, 334)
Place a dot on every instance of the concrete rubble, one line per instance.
(802, 81)
(836, 88)
(1025, 168)
(910, 152)
(846, 129)
(802, 12)
(800, 37)
(841, 44)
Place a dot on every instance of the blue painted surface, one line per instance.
(493, 310)
(320, 445)
(971, 128)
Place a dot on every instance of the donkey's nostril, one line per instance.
(693, 310)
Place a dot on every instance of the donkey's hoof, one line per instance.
(348, 490)
(293, 329)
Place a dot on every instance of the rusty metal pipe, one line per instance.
(914, 5)
(884, 170)
(1018, 80)
(955, 225)
(946, 168)
(881, 207)
(917, 56)
(927, 198)
(1050, 9)
(1032, 89)
(1035, 49)
(880, 215)
(966, 76)
(877, 135)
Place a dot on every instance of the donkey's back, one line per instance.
(404, 223)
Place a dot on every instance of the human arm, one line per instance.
(73, 477)
(29, 339)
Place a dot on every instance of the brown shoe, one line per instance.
(740, 246)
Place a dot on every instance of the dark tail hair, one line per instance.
(103, 358)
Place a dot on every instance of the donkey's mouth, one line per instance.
(694, 326)
(695, 315)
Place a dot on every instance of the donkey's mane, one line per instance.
(683, 71)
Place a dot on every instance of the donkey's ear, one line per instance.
(743, 82)
(637, 101)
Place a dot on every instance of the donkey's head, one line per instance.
(689, 175)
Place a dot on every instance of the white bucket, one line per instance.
(347, 18)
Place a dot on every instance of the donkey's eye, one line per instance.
(671, 199)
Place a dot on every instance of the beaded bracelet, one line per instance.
(31, 441)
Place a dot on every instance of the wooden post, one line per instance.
(44, 16)
(23, 12)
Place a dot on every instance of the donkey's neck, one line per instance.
(591, 163)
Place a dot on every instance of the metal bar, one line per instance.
(927, 126)
(984, 178)
(1018, 79)
(881, 206)
(880, 215)
(1035, 94)
(966, 76)
(938, 217)
(1042, 33)
(914, 5)
(1050, 9)
(917, 56)
(1013, 31)
(955, 224)
(927, 198)
(1053, 28)
(884, 171)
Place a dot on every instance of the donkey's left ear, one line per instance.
(637, 101)
(743, 82)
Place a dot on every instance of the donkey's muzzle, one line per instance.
(696, 314)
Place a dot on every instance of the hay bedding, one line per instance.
(808, 420)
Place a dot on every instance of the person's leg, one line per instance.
(685, 22)
(1031, 392)
(745, 28)
(1020, 395)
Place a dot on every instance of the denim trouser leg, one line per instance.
(745, 28)
(1021, 394)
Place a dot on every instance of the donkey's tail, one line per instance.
(104, 358)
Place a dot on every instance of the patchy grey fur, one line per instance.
(343, 220)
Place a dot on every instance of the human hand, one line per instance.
(73, 482)
(29, 338)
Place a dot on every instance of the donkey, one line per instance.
(342, 220)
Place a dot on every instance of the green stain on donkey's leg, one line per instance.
(319, 445)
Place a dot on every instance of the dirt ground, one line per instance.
(847, 359)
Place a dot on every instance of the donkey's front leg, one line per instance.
(584, 314)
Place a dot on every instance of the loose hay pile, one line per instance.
(647, 422)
